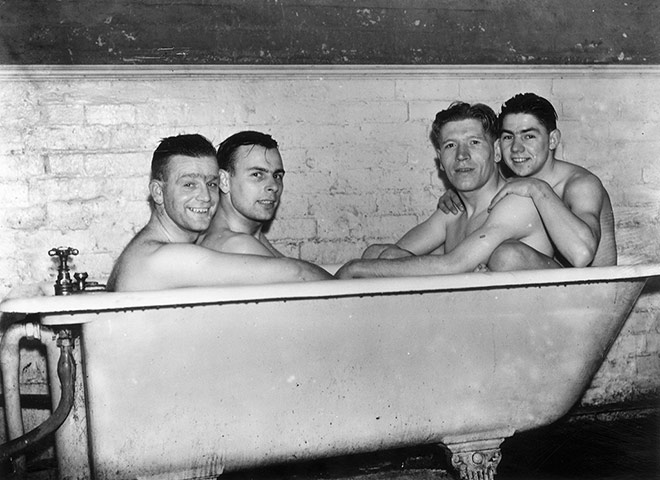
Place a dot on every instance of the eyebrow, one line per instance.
(198, 175)
(262, 169)
(531, 129)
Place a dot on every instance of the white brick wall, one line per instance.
(76, 144)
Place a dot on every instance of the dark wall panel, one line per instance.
(272, 32)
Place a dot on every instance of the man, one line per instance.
(251, 185)
(572, 202)
(464, 137)
(184, 194)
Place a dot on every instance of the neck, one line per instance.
(478, 201)
(225, 218)
(547, 172)
(169, 232)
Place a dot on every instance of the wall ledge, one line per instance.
(316, 72)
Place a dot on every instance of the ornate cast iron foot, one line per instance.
(476, 460)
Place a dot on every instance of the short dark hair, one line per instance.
(464, 111)
(227, 149)
(190, 145)
(532, 104)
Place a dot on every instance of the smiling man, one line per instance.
(464, 137)
(575, 207)
(251, 185)
(184, 196)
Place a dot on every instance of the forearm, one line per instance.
(401, 267)
(573, 238)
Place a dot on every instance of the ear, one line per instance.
(224, 181)
(498, 151)
(156, 191)
(438, 162)
(555, 138)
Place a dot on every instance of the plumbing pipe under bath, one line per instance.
(66, 369)
(10, 365)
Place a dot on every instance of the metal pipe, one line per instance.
(10, 366)
(66, 370)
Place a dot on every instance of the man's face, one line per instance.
(526, 144)
(466, 154)
(190, 191)
(255, 187)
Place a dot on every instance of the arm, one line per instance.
(420, 240)
(178, 265)
(573, 224)
(508, 220)
(385, 250)
(425, 237)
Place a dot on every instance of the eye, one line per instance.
(278, 176)
(448, 145)
(257, 174)
(475, 142)
(189, 185)
(506, 136)
(530, 136)
(212, 184)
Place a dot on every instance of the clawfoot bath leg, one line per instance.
(475, 460)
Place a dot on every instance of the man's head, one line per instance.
(192, 145)
(184, 182)
(464, 111)
(464, 138)
(528, 133)
(532, 104)
(251, 176)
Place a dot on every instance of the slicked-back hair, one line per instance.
(227, 149)
(189, 145)
(464, 111)
(531, 104)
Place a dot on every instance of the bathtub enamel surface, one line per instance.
(194, 382)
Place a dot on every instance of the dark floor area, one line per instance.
(574, 448)
(579, 447)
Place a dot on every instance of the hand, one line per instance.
(450, 202)
(393, 251)
(523, 187)
(345, 271)
(374, 251)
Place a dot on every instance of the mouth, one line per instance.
(518, 160)
(463, 170)
(199, 211)
(267, 203)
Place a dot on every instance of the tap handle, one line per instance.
(81, 280)
(63, 284)
(63, 253)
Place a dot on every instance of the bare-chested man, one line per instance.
(572, 202)
(184, 193)
(251, 185)
(464, 137)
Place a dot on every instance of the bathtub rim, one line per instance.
(181, 297)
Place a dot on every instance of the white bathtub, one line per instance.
(191, 383)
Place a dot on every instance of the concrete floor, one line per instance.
(580, 447)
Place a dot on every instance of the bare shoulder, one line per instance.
(440, 219)
(227, 241)
(514, 209)
(133, 262)
(575, 176)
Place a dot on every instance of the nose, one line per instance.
(273, 185)
(462, 152)
(204, 194)
(516, 145)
